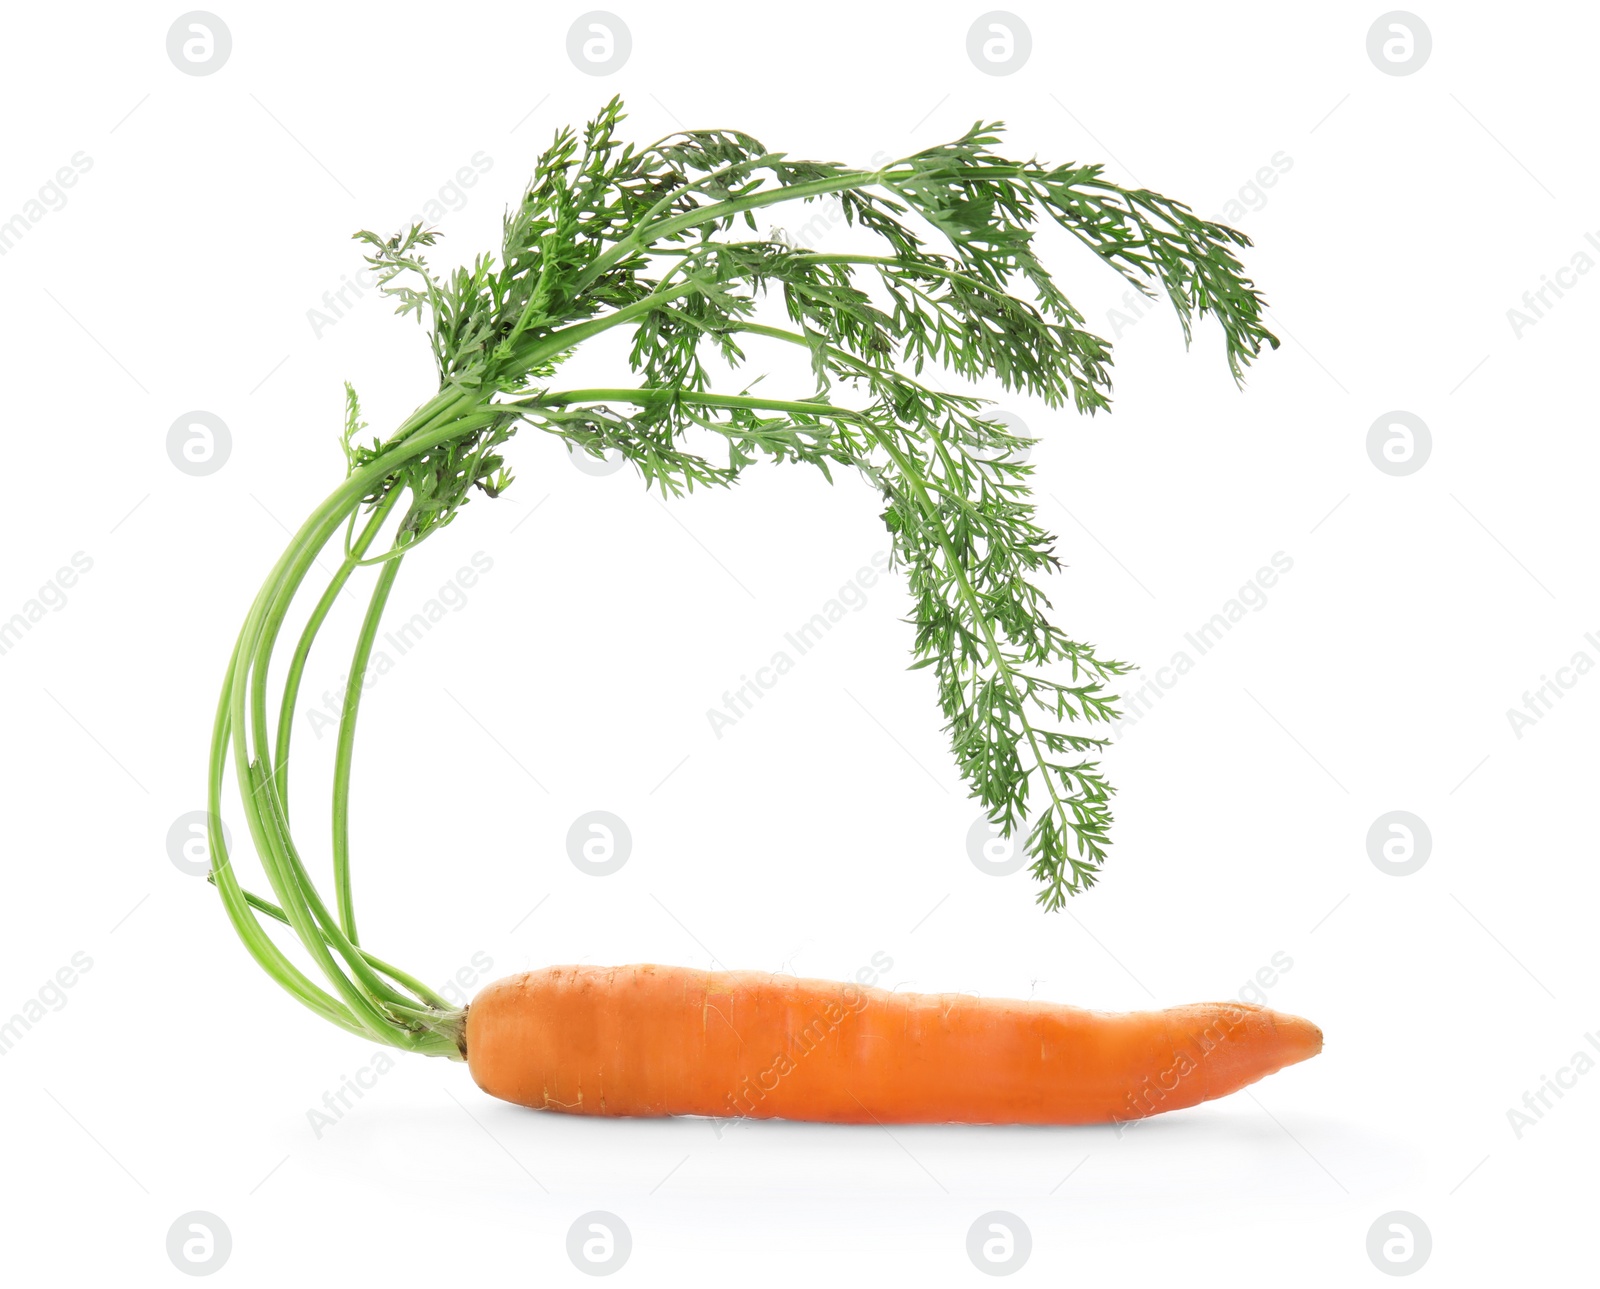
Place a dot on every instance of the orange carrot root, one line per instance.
(649, 1040)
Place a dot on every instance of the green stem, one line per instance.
(386, 1003)
(260, 945)
(345, 750)
(645, 236)
(546, 347)
(422, 992)
(746, 164)
(302, 650)
(923, 267)
(644, 396)
(448, 416)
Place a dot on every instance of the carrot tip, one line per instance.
(1302, 1039)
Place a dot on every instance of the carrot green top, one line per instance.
(663, 240)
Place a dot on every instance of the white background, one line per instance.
(829, 824)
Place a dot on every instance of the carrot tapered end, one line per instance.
(1301, 1039)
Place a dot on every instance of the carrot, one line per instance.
(650, 244)
(648, 1040)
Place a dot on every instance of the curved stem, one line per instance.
(644, 395)
(302, 651)
(241, 722)
(422, 992)
(642, 237)
(345, 750)
(548, 346)
(260, 945)
(384, 1002)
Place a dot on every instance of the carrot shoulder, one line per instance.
(650, 1040)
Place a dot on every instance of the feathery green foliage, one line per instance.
(664, 240)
